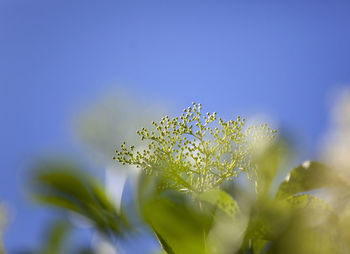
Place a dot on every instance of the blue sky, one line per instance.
(234, 57)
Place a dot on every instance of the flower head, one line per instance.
(196, 152)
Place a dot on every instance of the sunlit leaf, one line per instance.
(306, 177)
(305, 201)
(182, 228)
(221, 200)
(312, 227)
(177, 220)
(268, 160)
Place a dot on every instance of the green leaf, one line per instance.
(305, 201)
(266, 220)
(63, 185)
(312, 227)
(167, 249)
(306, 177)
(179, 225)
(267, 163)
(178, 222)
(55, 237)
(221, 200)
(273, 218)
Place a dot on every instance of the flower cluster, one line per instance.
(196, 152)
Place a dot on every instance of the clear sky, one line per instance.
(234, 57)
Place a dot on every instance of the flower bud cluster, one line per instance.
(196, 152)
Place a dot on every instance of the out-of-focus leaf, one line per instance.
(298, 238)
(267, 219)
(177, 220)
(227, 232)
(63, 185)
(344, 224)
(55, 237)
(275, 222)
(305, 201)
(258, 245)
(181, 228)
(166, 248)
(306, 177)
(267, 163)
(312, 228)
(271, 219)
(221, 200)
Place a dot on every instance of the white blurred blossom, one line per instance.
(336, 150)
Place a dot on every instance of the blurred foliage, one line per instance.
(55, 237)
(291, 221)
(62, 184)
(56, 240)
(308, 212)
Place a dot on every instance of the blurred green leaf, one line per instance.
(344, 224)
(63, 185)
(268, 162)
(164, 244)
(306, 177)
(305, 201)
(267, 219)
(272, 218)
(312, 227)
(180, 227)
(179, 223)
(55, 238)
(221, 200)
